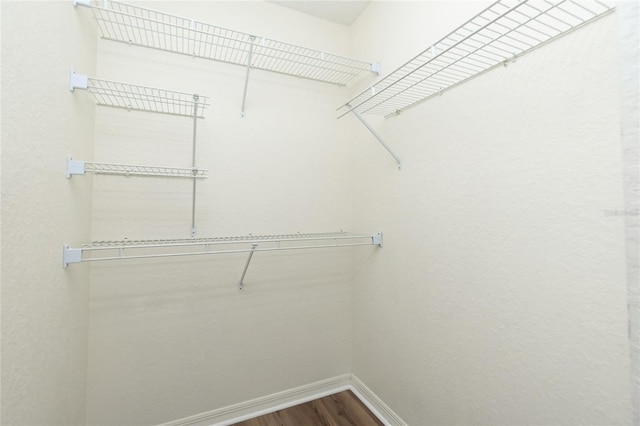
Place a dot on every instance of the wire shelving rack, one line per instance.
(499, 34)
(140, 98)
(138, 26)
(77, 167)
(502, 32)
(148, 249)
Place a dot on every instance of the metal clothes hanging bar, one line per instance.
(499, 34)
(139, 26)
(146, 249)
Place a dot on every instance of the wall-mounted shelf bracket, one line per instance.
(377, 239)
(71, 255)
(85, 3)
(246, 266)
(78, 81)
(376, 67)
(378, 137)
(74, 167)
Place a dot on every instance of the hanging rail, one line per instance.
(145, 249)
(496, 36)
(139, 98)
(139, 26)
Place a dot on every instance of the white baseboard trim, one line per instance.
(278, 401)
(375, 404)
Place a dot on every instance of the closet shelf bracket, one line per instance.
(378, 137)
(78, 81)
(78, 167)
(71, 255)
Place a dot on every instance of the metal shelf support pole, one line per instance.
(378, 137)
(193, 165)
(246, 78)
(246, 266)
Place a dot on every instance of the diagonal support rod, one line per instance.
(246, 266)
(246, 78)
(193, 165)
(378, 137)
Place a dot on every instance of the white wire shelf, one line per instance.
(144, 249)
(140, 98)
(502, 32)
(139, 26)
(77, 167)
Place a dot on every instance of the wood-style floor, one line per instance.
(340, 409)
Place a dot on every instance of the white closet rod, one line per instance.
(148, 249)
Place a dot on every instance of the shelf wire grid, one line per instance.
(141, 249)
(500, 33)
(141, 170)
(141, 98)
(248, 239)
(139, 26)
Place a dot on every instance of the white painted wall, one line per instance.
(629, 18)
(44, 307)
(174, 338)
(500, 294)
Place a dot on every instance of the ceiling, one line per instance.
(340, 11)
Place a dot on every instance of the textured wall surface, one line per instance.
(629, 21)
(174, 338)
(500, 294)
(44, 307)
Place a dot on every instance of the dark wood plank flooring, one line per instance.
(340, 409)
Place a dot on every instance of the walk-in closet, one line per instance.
(371, 212)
